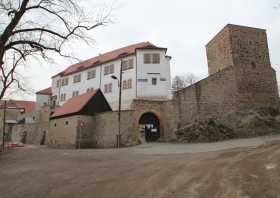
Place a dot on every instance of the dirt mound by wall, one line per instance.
(242, 124)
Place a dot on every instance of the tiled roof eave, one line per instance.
(93, 66)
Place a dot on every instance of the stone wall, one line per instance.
(36, 125)
(106, 129)
(219, 52)
(97, 131)
(210, 98)
(34, 132)
(63, 132)
(255, 78)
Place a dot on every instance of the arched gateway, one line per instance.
(150, 126)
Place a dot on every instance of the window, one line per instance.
(57, 83)
(154, 81)
(127, 84)
(151, 58)
(90, 89)
(127, 64)
(108, 88)
(163, 79)
(156, 58)
(64, 82)
(77, 78)
(54, 124)
(63, 97)
(124, 86)
(75, 93)
(91, 74)
(147, 59)
(142, 80)
(66, 123)
(109, 69)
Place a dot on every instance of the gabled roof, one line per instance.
(85, 104)
(28, 106)
(107, 57)
(47, 91)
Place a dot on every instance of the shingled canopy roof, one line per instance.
(47, 92)
(107, 57)
(86, 104)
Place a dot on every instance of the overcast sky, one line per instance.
(183, 26)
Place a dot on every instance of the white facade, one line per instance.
(141, 75)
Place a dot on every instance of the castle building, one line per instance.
(145, 75)
(241, 78)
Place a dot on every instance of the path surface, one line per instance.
(167, 148)
(239, 168)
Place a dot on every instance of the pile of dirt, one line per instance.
(252, 123)
(206, 131)
(241, 124)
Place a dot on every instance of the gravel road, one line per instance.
(239, 168)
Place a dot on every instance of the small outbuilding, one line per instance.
(72, 125)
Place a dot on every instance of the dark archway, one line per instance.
(150, 126)
(43, 139)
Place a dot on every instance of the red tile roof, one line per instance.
(28, 106)
(47, 91)
(74, 105)
(109, 56)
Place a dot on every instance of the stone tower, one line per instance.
(245, 49)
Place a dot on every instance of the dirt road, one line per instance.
(155, 170)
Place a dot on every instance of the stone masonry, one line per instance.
(240, 77)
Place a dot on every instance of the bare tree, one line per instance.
(177, 83)
(183, 81)
(40, 29)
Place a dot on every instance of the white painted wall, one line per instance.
(148, 71)
(144, 90)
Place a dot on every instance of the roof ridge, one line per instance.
(88, 96)
(103, 58)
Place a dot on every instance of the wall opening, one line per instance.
(150, 126)
(23, 137)
(43, 139)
